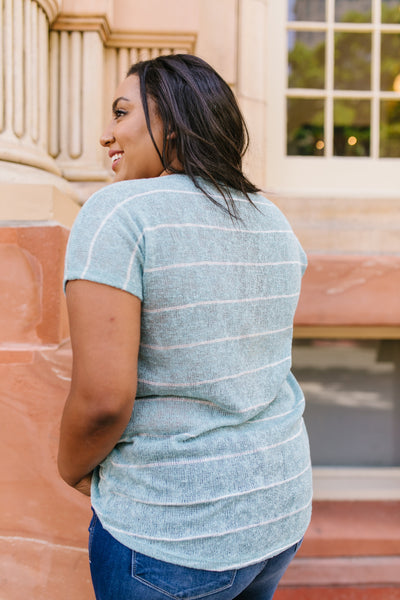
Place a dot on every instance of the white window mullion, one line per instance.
(329, 77)
(375, 77)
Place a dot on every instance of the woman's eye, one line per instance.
(119, 113)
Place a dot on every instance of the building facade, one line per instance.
(316, 81)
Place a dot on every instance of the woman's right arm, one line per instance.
(105, 337)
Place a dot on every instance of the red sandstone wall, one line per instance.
(43, 523)
(346, 290)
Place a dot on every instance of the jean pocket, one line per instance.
(91, 529)
(180, 583)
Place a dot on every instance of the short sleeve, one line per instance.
(106, 245)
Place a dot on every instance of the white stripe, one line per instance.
(268, 203)
(208, 302)
(175, 399)
(205, 381)
(130, 264)
(216, 227)
(214, 405)
(207, 459)
(214, 535)
(217, 498)
(285, 414)
(211, 263)
(216, 341)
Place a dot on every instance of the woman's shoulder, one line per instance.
(122, 189)
(135, 192)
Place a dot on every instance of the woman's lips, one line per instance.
(115, 159)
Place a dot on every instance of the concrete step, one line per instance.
(351, 551)
(353, 528)
(338, 593)
(349, 571)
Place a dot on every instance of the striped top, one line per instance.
(213, 469)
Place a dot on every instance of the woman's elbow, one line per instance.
(102, 408)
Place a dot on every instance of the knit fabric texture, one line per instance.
(213, 470)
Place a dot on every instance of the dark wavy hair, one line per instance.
(202, 119)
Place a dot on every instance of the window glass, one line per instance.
(390, 62)
(352, 61)
(390, 129)
(353, 11)
(305, 127)
(306, 10)
(352, 127)
(351, 388)
(390, 12)
(306, 59)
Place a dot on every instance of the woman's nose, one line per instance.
(107, 137)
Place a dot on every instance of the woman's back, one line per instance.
(213, 469)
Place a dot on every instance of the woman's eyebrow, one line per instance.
(115, 103)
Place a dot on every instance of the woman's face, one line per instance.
(127, 138)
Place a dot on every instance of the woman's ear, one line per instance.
(171, 135)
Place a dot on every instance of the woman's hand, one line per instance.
(83, 486)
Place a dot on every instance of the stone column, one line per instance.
(77, 96)
(24, 83)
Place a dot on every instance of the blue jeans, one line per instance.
(119, 573)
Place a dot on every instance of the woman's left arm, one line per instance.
(105, 336)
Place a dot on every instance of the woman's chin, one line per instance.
(118, 176)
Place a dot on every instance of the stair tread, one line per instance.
(350, 528)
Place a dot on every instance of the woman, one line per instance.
(181, 284)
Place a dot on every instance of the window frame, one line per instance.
(371, 176)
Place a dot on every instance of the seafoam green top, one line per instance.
(213, 470)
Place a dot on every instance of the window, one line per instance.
(351, 388)
(352, 416)
(334, 106)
